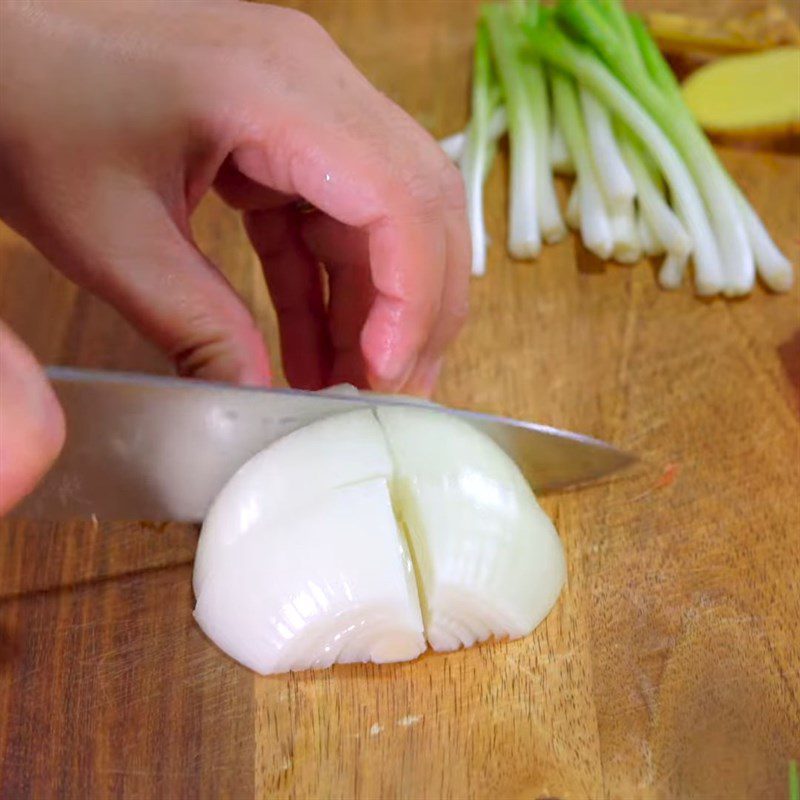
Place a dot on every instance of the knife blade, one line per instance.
(142, 447)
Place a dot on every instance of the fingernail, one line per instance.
(227, 362)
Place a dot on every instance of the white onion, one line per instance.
(290, 474)
(488, 558)
(303, 559)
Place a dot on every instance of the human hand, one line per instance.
(118, 117)
(31, 421)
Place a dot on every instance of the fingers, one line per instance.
(407, 260)
(387, 179)
(292, 275)
(344, 251)
(454, 306)
(131, 253)
(451, 305)
(239, 192)
(31, 421)
(360, 160)
(294, 281)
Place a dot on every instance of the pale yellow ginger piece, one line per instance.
(753, 94)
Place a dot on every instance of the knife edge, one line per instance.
(160, 448)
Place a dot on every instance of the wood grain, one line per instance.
(671, 664)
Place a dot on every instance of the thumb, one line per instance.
(31, 421)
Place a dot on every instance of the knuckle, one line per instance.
(432, 188)
(301, 23)
(422, 193)
(219, 339)
(453, 189)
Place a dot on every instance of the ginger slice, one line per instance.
(757, 93)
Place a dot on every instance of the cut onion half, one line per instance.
(361, 535)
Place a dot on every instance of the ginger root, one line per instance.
(753, 94)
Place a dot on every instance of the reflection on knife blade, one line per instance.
(145, 447)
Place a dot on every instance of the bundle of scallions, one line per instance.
(582, 89)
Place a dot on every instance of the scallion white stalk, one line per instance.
(524, 234)
(651, 244)
(560, 158)
(594, 220)
(661, 218)
(737, 265)
(670, 276)
(573, 215)
(550, 43)
(627, 243)
(475, 159)
(773, 266)
(454, 144)
(615, 180)
(551, 222)
(498, 124)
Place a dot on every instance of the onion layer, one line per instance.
(488, 559)
(305, 557)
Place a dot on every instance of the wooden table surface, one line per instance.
(670, 666)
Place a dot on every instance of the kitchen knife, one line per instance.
(141, 447)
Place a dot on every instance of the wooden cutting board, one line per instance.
(670, 666)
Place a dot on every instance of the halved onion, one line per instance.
(488, 559)
(303, 558)
(330, 581)
(289, 475)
